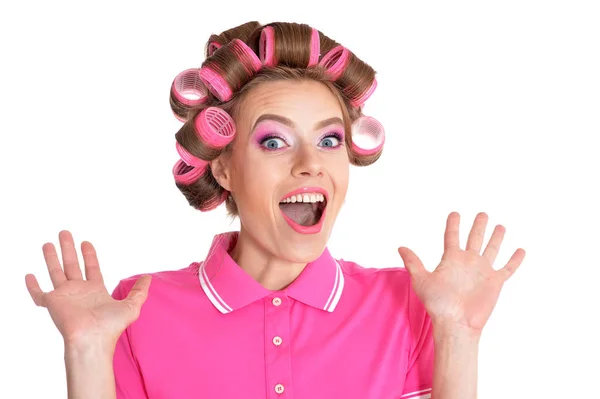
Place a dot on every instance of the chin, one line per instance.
(303, 249)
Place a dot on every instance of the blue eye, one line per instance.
(333, 140)
(272, 143)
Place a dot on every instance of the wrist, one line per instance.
(95, 346)
(443, 331)
(89, 369)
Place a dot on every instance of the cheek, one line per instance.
(341, 178)
(341, 185)
(256, 183)
(340, 168)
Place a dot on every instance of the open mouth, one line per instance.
(304, 210)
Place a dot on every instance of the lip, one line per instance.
(307, 229)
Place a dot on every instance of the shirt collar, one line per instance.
(229, 287)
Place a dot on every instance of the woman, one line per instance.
(272, 121)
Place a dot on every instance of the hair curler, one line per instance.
(216, 84)
(188, 89)
(368, 135)
(188, 158)
(212, 47)
(266, 46)
(315, 48)
(335, 61)
(215, 81)
(186, 174)
(357, 102)
(215, 202)
(215, 127)
(246, 56)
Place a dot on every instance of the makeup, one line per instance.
(298, 228)
(269, 130)
(337, 134)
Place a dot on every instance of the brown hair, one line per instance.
(292, 52)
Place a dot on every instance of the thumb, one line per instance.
(412, 263)
(139, 292)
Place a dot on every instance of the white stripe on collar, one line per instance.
(338, 287)
(223, 307)
(211, 293)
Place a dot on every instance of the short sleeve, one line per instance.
(419, 376)
(128, 378)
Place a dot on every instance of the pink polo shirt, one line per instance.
(339, 330)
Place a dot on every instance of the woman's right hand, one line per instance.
(83, 310)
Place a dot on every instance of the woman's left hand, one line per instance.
(464, 288)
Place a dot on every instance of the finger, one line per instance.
(139, 292)
(412, 263)
(90, 260)
(475, 240)
(69, 256)
(57, 276)
(491, 250)
(38, 296)
(513, 264)
(451, 239)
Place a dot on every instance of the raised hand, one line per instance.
(83, 310)
(464, 288)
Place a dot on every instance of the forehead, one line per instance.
(304, 102)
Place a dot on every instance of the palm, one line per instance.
(79, 306)
(84, 309)
(464, 288)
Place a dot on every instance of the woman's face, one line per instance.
(289, 143)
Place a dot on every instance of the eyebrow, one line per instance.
(288, 122)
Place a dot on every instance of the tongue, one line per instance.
(305, 214)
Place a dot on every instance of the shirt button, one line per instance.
(277, 341)
(276, 301)
(279, 388)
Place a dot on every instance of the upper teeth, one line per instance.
(309, 197)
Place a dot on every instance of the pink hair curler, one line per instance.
(212, 47)
(188, 88)
(186, 174)
(188, 158)
(246, 56)
(368, 135)
(336, 61)
(216, 202)
(266, 46)
(315, 48)
(215, 127)
(215, 82)
(365, 96)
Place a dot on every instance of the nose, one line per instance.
(307, 162)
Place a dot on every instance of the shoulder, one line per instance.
(391, 285)
(384, 291)
(162, 281)
(390, 277)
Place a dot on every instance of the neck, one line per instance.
(272, 272)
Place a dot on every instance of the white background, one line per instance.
(488, 106)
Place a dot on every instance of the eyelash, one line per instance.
(337, 135)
